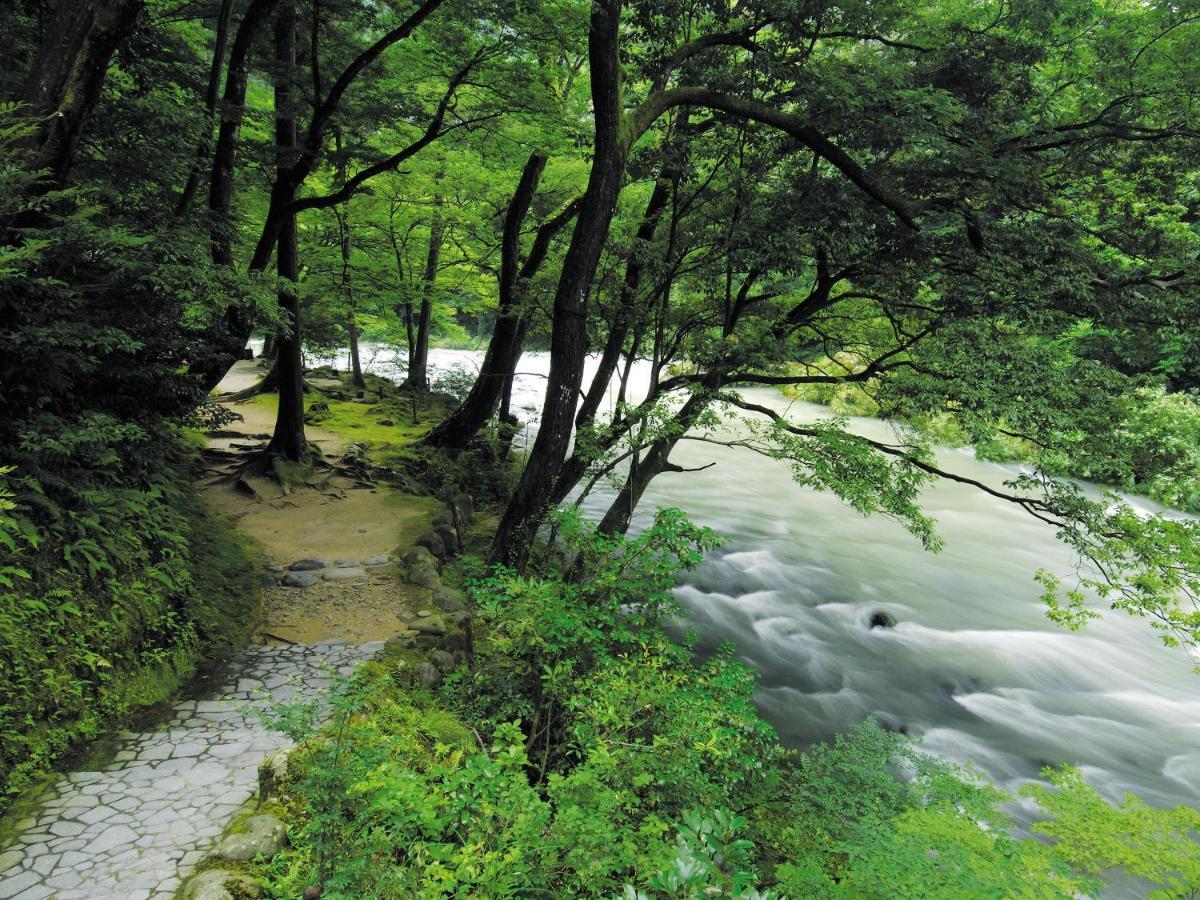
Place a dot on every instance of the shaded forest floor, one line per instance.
(325, 515)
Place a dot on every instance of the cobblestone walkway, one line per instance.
(139, 826)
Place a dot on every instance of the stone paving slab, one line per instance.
(137, 828)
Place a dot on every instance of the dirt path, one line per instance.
(343, 521)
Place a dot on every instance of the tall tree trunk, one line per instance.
(204, 147)
(568, 341)
(228, 336)
(229, 132)
(645, 468)
(68, 71)
(628, 314)
(503, 349)
(288, 441)
(356, 375)
(417, 378)
(356, 372)
(280, 210)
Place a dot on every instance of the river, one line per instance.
(972, 667)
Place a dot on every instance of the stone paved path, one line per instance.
(138, 827)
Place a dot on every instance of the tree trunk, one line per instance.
(204, 147)
(288, 441)
(68, 71)
(495, 375)
(568, 340)
(417, 378)
(229, 335)
(229, 133)
(644, 469)
(627, 303)
(356, 375)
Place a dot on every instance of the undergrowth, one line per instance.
(581, 753)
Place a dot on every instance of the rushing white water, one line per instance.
(973, 667)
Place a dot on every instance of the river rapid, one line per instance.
(972, 667)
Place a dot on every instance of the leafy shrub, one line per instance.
(584, 754)
(1152, 448)
(100, 533)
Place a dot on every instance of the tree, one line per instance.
(955, 184)
(68, 72)
(512, 313)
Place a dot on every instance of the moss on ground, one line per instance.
(227, 599)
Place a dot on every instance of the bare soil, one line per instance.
(338, 519)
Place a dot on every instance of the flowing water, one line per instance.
(972, 667)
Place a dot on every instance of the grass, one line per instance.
(359, 422)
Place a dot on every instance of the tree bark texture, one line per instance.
(68, 71)
(417, 378)
(568, 340)
(500, 360)
(288, 441)
(212, 95)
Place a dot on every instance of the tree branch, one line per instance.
(660, 101)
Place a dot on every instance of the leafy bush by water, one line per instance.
(585, 754)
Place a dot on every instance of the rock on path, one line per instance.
(139, 826)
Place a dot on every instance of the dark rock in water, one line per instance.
(965, 685)
(275, 567)
(433, 543)
(345, 563)
(248, 353)
(308, 565)
(382, 560)
(881, 619)
(298, 580)
(385, 422)
(891, 725)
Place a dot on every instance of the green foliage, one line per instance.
(584, 754)
(1159, 845)
(1152, 447)
(711, 860)
(1145, 565)
(112, 576)
(110, 603)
